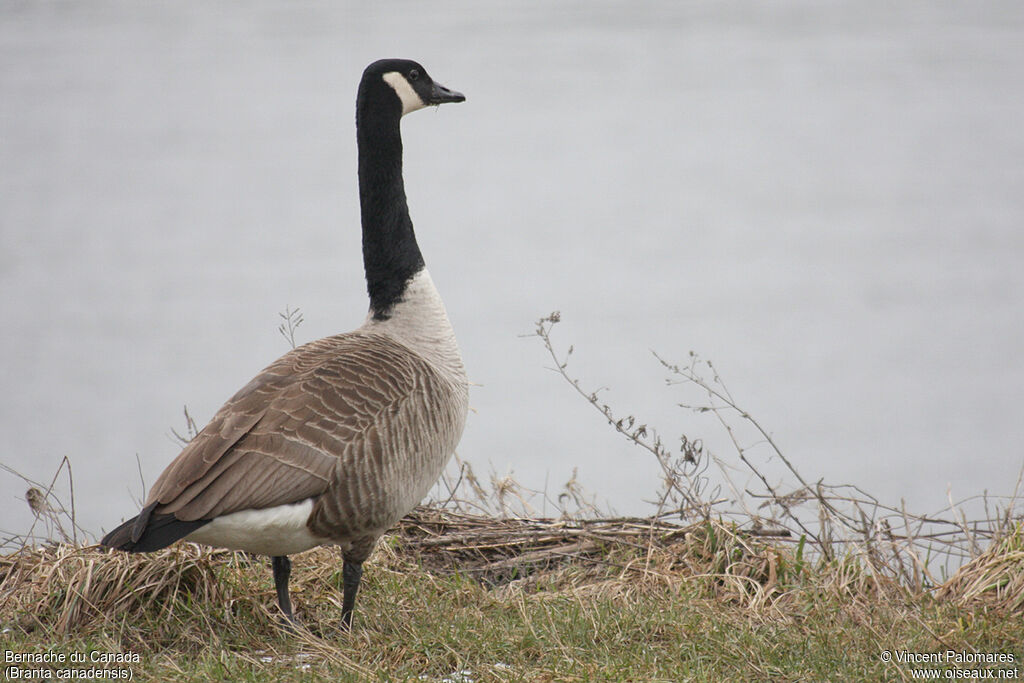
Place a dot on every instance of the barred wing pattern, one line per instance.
(357, 421)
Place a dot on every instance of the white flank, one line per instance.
(411, 101)
(272, 531)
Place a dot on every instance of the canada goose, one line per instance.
(338, 439)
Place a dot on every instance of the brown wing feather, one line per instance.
(279, 439)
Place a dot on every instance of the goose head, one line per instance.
(401, 86)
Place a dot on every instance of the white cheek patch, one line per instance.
(411, 101)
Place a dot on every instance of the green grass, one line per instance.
(668, 614)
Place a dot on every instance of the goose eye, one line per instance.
(414, 74)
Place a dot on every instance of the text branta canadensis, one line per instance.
(338, 439)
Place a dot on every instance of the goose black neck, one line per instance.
(391, 256)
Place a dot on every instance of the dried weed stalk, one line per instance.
(830, 522)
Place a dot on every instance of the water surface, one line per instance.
(826, 199)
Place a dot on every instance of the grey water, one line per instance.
(825, 198)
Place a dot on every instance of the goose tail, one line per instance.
(147, 532)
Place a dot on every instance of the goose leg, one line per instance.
(351, 572)
(282, 571)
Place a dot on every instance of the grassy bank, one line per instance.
(454, 597)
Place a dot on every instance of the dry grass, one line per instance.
(511, 599)
(994, 579)
(61, 588)
(621, 555)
